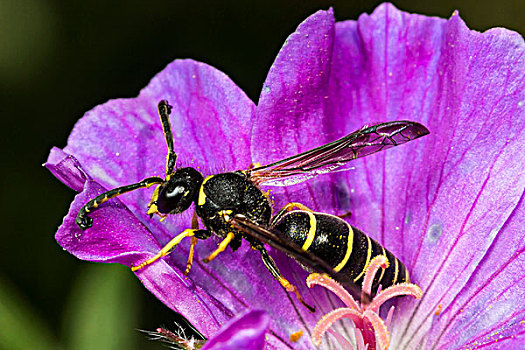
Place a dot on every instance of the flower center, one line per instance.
(370, 330)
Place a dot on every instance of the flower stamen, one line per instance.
(381, 332)
(330, 318)
(377, 262)
(370, 329)
(398, 290)
(328, 283)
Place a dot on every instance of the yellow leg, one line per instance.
(290, 288)
(194, 241)
(221, 248)
(166, 249)
(274, 270)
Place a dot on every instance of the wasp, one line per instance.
(232, 206)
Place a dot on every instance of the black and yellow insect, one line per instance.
(340, 249)
(232, 206)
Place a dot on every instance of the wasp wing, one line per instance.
(311, 261)
(335, 155)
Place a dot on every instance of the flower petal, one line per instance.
(119, 237)
(383, 68)
(66, 168)
(289, 117)
(291, 102)
(491, 307)
(121, 141)
(289, 120)
(437, 203)
(245, 332)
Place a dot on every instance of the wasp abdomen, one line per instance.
(345, 248)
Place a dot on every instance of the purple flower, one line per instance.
(449, 205)
(245, 332)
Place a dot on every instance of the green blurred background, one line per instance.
(59, 59)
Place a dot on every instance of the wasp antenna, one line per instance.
(85, 222)
(164, 113)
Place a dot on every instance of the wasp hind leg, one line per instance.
(346, 215)
(274, 270)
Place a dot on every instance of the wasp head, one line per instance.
(179, 191)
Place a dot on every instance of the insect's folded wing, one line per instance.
(334, 156)
(273, 239)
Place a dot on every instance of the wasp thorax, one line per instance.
(177, 194)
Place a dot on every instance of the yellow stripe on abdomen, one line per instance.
(349, 245)
(368, 255)
(396, 271)
(383, 270)
(311, 232)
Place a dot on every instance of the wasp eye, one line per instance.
(177, 194)
(174, 198)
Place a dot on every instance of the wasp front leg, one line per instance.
(200, 234)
